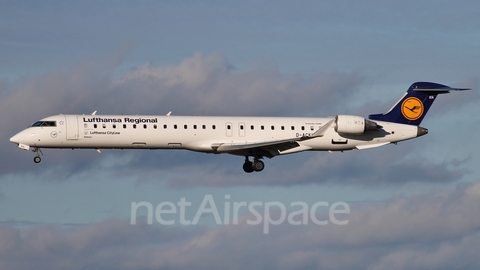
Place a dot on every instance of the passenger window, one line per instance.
(283, 128)
(124, 125)
(228, 127)
(252, 127)
(213, 126)
(134, 126)
(185, 126)
(204, 127)
(145, 126)
(94, 125)
(273, 127)
(114, 126)
(293, 127)
(155, 126)
(241, 127)
(262, 127)
(104, 125)
(85, 125)
(303, 128)
(164, 126)
(311, 127)
(175, 126)
(194, 126)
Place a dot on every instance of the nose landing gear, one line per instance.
(256, 166)
(37, 158)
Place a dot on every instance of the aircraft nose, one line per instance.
(20, 137)
(15, 139)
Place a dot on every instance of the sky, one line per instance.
(414, 205)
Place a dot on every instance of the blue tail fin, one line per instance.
(414, 105)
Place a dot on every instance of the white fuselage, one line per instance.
(256, 137)
(200, 133)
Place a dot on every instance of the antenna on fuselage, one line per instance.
(95, 112)
(169, 113)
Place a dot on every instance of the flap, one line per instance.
(281, 145)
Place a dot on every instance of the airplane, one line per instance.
(256, 137)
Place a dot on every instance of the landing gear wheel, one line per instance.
(248, 166)
(258, 165)
(37, 158)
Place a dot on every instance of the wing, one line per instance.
(270, 148)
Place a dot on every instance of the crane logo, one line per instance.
(412, 108)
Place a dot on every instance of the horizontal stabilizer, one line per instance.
(440, 90)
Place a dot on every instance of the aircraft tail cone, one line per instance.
(421, 131)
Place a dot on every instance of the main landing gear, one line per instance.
(37, 158)
(255, 166)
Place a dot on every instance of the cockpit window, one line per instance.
(45, 124)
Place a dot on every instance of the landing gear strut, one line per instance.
(37, 158)
(257, 165)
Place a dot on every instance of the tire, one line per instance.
(258, 165)
(248, 167)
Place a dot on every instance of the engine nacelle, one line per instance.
(351, 124)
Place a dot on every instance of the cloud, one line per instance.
(209, 85)
(392, 165)
(436, 230)
(201, 85)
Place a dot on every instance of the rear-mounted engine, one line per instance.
(351, 124)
